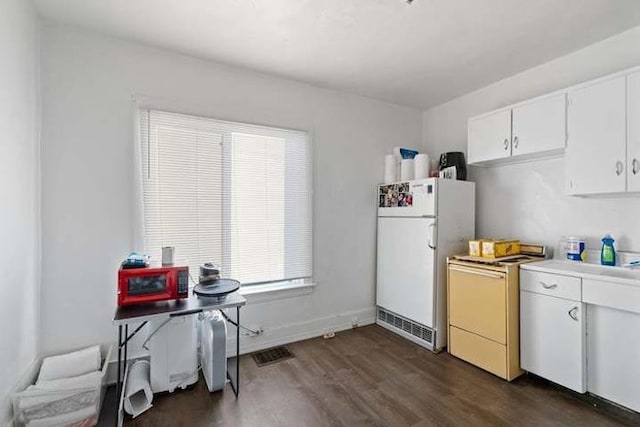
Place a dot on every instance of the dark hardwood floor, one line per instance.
(369, 376)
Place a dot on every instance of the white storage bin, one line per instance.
(70, 405)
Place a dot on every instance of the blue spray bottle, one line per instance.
(608, 252)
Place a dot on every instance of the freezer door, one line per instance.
(409, 199)
(405, 276)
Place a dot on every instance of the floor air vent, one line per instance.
(405, 325)
(272, 355)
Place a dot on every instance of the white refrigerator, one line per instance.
(420, 224)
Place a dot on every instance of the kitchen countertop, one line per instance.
(622, 275)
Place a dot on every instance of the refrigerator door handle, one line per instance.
(432, 226)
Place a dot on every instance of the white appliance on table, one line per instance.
(420, 224)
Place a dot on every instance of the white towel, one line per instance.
(36, 404)
(82, 417)
(70, 365)
(87, 381)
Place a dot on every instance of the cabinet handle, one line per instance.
(506, 144)
(573, 313)
(635, 166)
(515, 142)
(552, 286)
(619, 168)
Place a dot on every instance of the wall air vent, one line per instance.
(272, 355)
(400, 324)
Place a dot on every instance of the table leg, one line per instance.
(238, 351)
(123, 346)
(233, 372)
(126, 345)
(119, 378)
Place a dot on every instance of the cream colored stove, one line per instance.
(483, 312)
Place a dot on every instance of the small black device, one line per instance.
(454, 158)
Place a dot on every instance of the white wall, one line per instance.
(19, 195)
(88, 220)
(527, 200)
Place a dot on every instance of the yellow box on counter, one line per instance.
(475, 247)
(500, 248)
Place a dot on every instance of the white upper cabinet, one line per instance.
(595, 161)
(595, 124)
(633, 136)
(489, 137)
(533, 129)
(539, 126)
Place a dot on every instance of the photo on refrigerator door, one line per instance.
(395, 195)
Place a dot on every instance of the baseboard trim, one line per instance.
(284, 334)
(299, 331)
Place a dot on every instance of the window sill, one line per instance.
(272, 292)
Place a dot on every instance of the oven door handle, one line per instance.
(495, 275)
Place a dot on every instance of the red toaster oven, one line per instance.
(151, 284)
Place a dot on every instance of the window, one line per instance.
(230, 193)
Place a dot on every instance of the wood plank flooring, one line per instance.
(371, 377)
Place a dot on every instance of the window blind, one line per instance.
(234, 194)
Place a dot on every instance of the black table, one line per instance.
(167, 309)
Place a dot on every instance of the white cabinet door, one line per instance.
(552, 339)
(540, 126)
(613, 351)
(596, 147)
(405, 271)
(633, 137)
(489, 137)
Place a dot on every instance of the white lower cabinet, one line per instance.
(582, 332)
(613, 354)
(613, 341)
(552, 339)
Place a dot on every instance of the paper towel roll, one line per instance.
(390, 169)
(422, 166)
(398, 156)
(407, 169)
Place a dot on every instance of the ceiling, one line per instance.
(418, 54)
